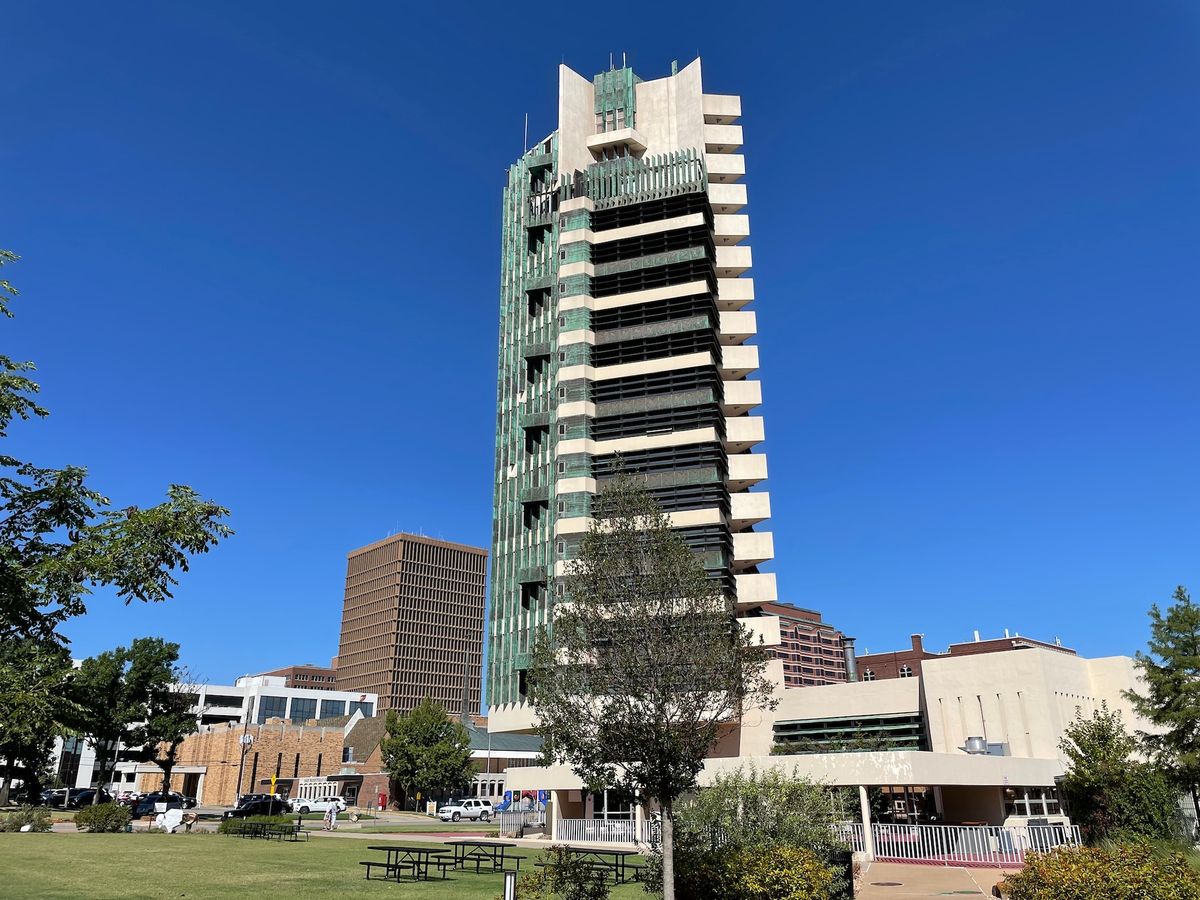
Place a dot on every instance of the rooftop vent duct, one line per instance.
(976, 746)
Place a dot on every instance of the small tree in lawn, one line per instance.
(425, 751)
(644, 662)
(171, 716)
(1172, 699)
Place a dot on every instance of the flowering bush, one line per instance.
(1114, 872)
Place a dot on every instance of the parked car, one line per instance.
(54, 796)
(271, 806)
(305, 805)
(145, 804)
(85, 797)
(480, 810)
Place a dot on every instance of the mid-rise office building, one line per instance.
(307, 675)
(813, 652)
(625, 338)
(412, 623)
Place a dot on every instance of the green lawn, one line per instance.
(198, 866)
(421, 827)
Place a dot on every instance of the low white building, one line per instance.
(971, 740)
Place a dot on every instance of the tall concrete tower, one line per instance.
(625, 329)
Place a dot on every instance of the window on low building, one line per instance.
(906, 671)
(868, 675)
(271, 708)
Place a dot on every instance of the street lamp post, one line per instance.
(245, 740)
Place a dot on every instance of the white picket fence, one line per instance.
(602, 831)
(980, 845)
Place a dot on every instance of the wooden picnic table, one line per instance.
(401, 857)
(482, 852)
(612, 862)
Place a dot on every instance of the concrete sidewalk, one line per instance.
(893, 880)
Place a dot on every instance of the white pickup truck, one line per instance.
(305, 805)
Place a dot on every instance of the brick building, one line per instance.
(209, 760)
(412, 623)
(907, 663)
(812, 650)
(308, 675)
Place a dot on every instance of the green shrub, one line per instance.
(37, 817)
(781, 873)
(103, 817)
(1115, 872)
(761, 873)
(563, 878)
(232, 826)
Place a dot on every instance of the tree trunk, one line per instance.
(102, 767)
(1196, 804)
(668, 850)
(6, 782)
(168, 766)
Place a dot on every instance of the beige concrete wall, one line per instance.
(576, 120)
(670, 111)
(894, 696)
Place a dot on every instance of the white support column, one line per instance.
(555, 815)
(864, 803)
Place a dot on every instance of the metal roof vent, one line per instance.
(976, 746)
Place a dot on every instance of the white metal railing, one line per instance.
(512, 822)
(599, 831)
(987, 845)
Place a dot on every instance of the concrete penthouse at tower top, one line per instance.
(624, 329)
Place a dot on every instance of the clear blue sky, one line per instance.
(261, 258)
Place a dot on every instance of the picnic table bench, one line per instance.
(606, 863)
(484, 853)
(401, 858)
(268, 830)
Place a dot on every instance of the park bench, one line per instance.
(391, 869)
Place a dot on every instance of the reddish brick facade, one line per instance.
(811, 649)
(907, 663)
(316, 678)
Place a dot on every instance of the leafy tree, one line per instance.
(60, 538)
(33, 676)
(1172, 699)
(1109, 792)
(171, 716)
(733, 828)
(113, 693)
(644, 664)
(425, 751)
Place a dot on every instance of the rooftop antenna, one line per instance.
(525, 148)
(610, 60)
(623, 65)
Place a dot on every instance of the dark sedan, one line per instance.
(271, 806)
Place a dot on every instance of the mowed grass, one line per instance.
(199, 866)
(433, 827)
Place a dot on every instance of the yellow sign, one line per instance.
(273, 784)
